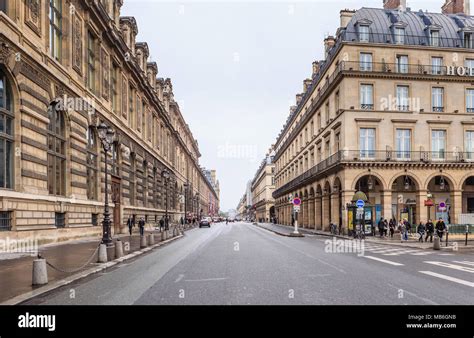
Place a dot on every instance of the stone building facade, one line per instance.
(65, 67)
(262, 189)
(389, 112)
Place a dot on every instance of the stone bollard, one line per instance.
(151, 239)
(40, 272)
(436, 243)
(163, 236)
(103, 253)
(118, 248)
(143, 241)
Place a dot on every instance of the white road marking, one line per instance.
(205, 280)
(464, 262)
(383, 260)
(452, 279)
(422, 253)
(179, 278)
(401, 252)
(451, 266)
(385, 250)
(445, 254)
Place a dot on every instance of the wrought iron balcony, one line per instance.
(361, 156)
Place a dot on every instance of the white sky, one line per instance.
(236, 67)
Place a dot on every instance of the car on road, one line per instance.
(205, 222)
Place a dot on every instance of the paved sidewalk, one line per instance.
(285, 230)
(16, 273)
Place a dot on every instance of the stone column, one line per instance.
(318, 212)
(311, 213)
(421, 210)
(335, 208)
(345, 199)
(326, 212)
(386, 204)
(456, 206)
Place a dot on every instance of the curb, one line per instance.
(83, 274)
(277, 232)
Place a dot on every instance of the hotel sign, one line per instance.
(459, 71)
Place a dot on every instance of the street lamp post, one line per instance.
(106, 136)
(186, 185)
(166, 176)
(197, 207)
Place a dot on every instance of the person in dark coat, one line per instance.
(440, 228)
(130, 224)
(141, 225)
(381, 227)
(391, 226)
(429, 231)
(421, 231)
(162, 223)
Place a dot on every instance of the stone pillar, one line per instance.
(335, 208)
(421, 210)
(386, 204)
(318, 212)
(456, 206)
(311, 213)
(345, 199)
(326, 212)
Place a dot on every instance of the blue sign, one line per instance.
(360, 203)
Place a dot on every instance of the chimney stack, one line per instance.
(306, 85)
(329, 42)
(395, 4)
(346, 15)
(456, 7)
(299, 97)
(316, 67)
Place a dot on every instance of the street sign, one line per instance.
(360, 204)
(296, 208)
(442, 206)
(296, 201)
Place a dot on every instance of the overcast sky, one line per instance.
(236, 67)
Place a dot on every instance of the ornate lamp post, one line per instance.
(166, 176)
(197, 205)
(106, 136)
(186, 186)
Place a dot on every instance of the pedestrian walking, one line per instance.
(381, 226)
(440, 228)
(130, 224)
(141, 226)
(401, 228)
(182, 220)
(421, 231)
(429, 231)
(407, 229)
(391, 226)
(167, 220)
(162, 223)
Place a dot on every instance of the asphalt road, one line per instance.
(240, 263)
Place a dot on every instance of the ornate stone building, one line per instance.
(65, 67)
(389, 112)
(263, 185)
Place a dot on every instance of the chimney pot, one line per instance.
(395, 4)
(456, 7)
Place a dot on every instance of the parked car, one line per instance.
(205, 222)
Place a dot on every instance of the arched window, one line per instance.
(56, 152)
(6, 134)
(91, 164)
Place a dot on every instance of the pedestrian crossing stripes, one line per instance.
(395, 251)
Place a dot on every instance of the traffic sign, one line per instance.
(296, 201)
(296, 208)
(360, 204)
(442, 205)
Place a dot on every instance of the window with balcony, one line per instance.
(367, 142)
(364, 33)
(434, 38)
(401, 64)
(438, 144)
(365, 62)
(399, 35)
(55, 28)
(366, 96)
(469, 144)
(402, 98)
(403, 144)
(470, 100)
(436, 65)
(437, 98)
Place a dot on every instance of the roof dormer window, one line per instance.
(468, 40)
(364, 33)
(434, 38)
(399, 35)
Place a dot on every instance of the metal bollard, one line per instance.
(436, 243)
(151, 239)
(118, 248)
(40, 272)
(103, 253)
(143, 241)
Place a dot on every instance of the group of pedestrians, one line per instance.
(424, 230)
(164, 224)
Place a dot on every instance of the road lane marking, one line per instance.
(446, 254)
(422, 253)
(401, 252)
(383, 260)
(464, 262)
(179, 278)
(205, 279)
(451, 279)
(451, 266)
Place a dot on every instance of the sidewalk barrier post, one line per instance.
(40, 273)
(436, 243)
(467, 232)
(118, 248)
(163, 236)
(143, 242)
(103, 253)
(447, 233)
(151, 239)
